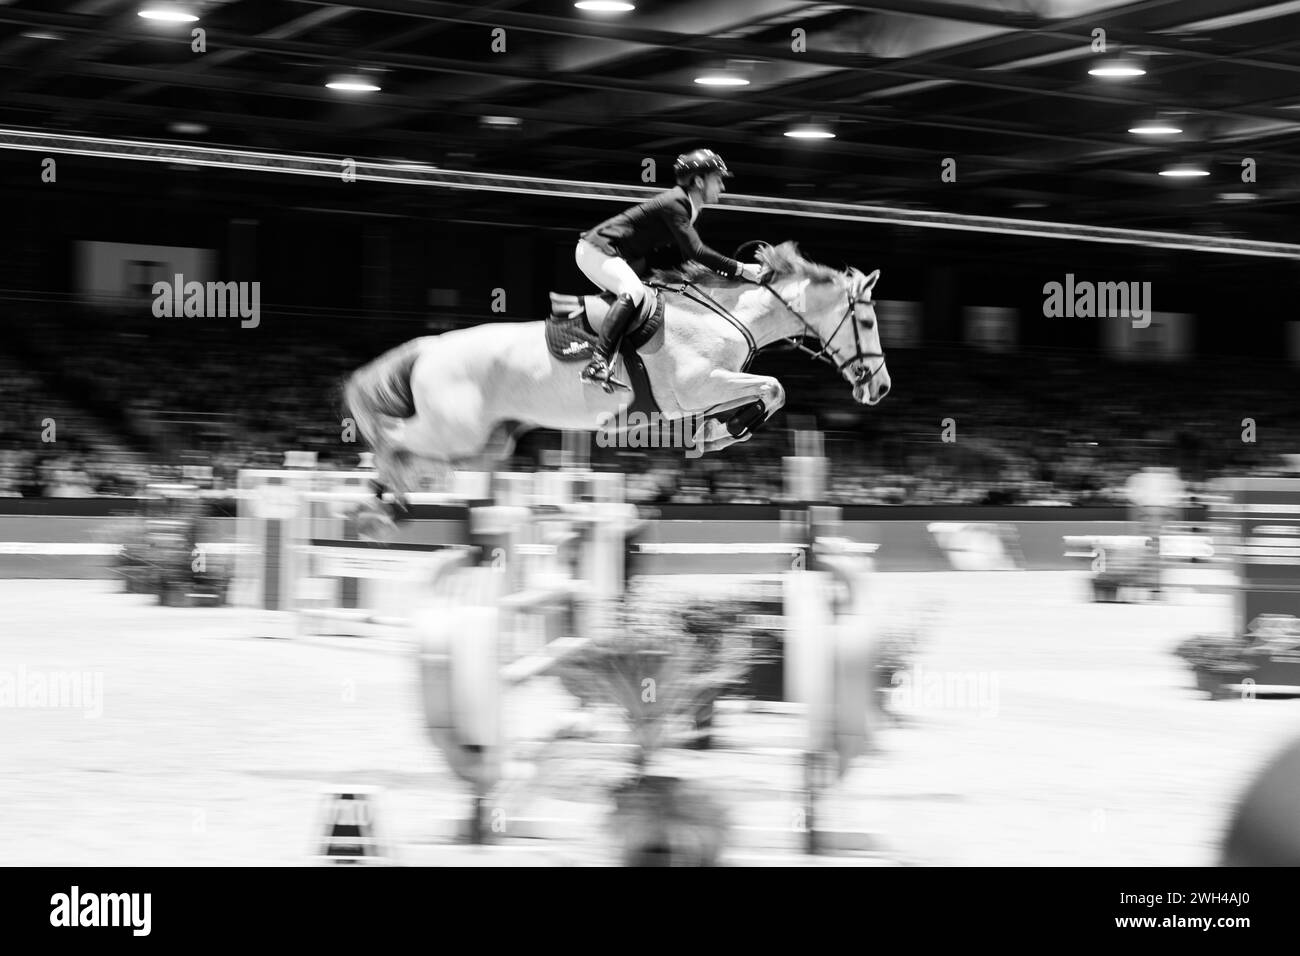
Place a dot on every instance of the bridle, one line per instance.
(827, 352)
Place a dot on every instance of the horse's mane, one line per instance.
(784, 261)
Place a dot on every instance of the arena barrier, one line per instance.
(527, 574)
(1158, 551)
(299, 555)
(558, 562)
(829, 649)
(1262, 518)
(302, 562)
(1247, 548)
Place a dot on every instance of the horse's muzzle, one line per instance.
(869, 386)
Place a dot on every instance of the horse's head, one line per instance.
(836, 308)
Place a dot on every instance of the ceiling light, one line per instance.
(1155, 128)
(809, 131)
(166, 13)
(1116, 71)
(352, 83)
(721, 78)
(1237, 197)
(1117, 68)
(1184, 171)
(42, 35)
(605, 6)
(502, 121)
(187, 129)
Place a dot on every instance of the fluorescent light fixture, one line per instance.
(721, 78)
(809, 131)
(502, 121)
(1237, 197)
(42, 35)
(353, 84)
(1117, 68)
(605, 6)
(1155, 128)
(1184, 171)
(187, 129)
(166, 13)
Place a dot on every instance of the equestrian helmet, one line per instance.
(698, 161)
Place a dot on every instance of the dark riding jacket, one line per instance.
(654, 224)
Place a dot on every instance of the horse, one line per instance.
(465, 395)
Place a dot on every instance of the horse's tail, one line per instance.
(378, 398)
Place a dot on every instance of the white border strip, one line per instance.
(408, 174)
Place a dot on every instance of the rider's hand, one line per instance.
(751, 271)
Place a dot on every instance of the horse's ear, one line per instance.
(870, 282)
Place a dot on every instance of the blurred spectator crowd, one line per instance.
(94, 404)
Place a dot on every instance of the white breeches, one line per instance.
(609, 272)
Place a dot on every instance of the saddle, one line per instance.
(571, 337)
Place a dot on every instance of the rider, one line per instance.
(604, 252)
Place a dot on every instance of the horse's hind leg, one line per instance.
(500, 445)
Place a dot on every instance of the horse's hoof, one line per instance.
(376, 530)
(374, 524)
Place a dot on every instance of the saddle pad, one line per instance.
(571, 320)
(570, 338)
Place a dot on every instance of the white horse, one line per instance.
(449, 399)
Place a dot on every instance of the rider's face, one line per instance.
(713, 187)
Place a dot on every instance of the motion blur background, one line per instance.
(973, 151)
(1046, 410)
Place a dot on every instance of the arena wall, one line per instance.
(84, 545)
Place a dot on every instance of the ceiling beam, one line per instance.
(741, 48)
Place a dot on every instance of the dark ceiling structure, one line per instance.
(1001, 87)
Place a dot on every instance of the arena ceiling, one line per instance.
(1000, 86)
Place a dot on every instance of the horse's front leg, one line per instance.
(738, 404)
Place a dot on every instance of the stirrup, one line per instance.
(601, 373)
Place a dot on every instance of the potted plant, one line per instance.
(132, 562)
(1217, 659)
(662, 667)
(161, 556)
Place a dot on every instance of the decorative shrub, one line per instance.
(158, 557)
(1218, 654)
(661, 664)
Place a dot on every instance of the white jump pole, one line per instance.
(812, 635)
(575, 451)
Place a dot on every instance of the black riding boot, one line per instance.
(620, 316)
